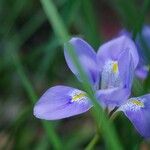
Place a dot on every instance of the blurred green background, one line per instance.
(32, 60)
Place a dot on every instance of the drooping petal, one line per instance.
(112, 49)
(61, 102)
(87, 59)
(126, 68)
(137, 111)
(113, 97)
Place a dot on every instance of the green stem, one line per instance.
(93, 142)
(95, 139)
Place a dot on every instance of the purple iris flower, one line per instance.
(142, 68)
(61, 101)
(117, 60)
(110, 73)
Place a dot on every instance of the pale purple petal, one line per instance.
(112, 50)
(142, 71)
(126, 68)
(87, 59)
(146, 35)
(138, 111)
(57, 103)
(113, 97)
(126, 33)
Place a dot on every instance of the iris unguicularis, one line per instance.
(110, 72)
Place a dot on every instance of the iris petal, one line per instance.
(112, 50)
(87, 59)
(142, 69)
(61, 102)
(113, 97)
(137, 111)
(126, 68)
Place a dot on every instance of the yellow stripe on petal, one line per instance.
(137, 103)
(115, 67)
(78, 96)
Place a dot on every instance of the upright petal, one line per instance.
(87, 58)
(112, 49)
(143, 45)
(138, 111)
(126, 68)
(113, 97)
(61, 102)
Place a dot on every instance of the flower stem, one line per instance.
(96, 137)
(112, 112)
(93, 142)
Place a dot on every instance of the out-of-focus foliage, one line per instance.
(31, 60)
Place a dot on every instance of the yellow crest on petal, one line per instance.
(115, 67)
(137, 102)
(78, 96)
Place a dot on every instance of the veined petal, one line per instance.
(61, 102)
(126, 68)
(137, 111)
(113, 97)
(87, 59)
(141, 70)
(112, 50)
(118, 73)
(110, 75)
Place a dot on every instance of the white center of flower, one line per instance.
(78, 96)
(110, 75)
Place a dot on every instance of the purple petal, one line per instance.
(138, 111)
(113, 97)
(146, 34)
(126, 68)
(112, 50)
(142, 71)
(126, 33)
(61, 102)
(87, 59)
